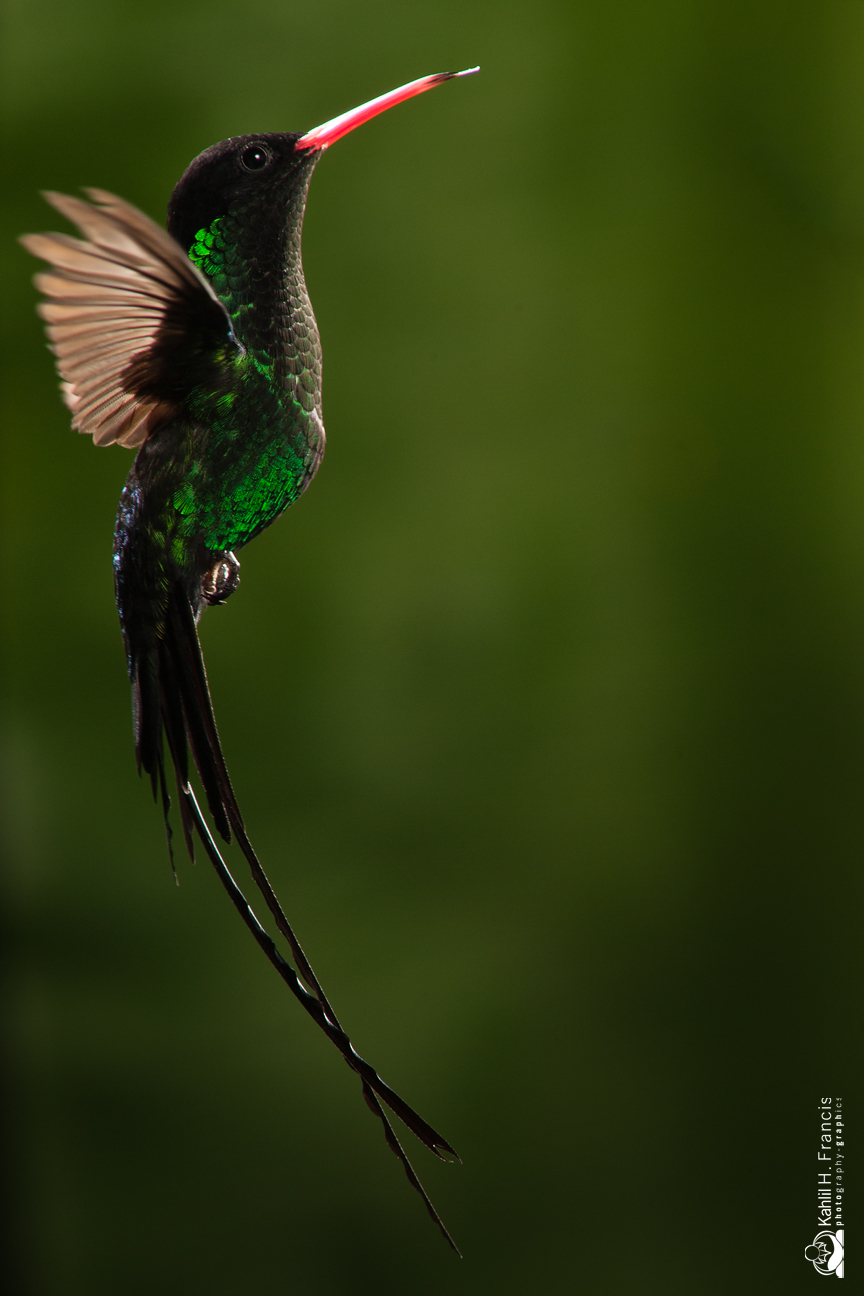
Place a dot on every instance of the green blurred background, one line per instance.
(545, 705)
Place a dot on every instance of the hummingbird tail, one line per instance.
(316, 1010)
(171, 693)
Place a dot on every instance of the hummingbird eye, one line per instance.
(254, 158)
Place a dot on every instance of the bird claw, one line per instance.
(221, 580)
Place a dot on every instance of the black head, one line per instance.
(241, 174)
(252, 173)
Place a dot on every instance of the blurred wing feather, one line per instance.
(124, 308)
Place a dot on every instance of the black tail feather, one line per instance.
(397, 1149)
(175, 732)
(180, 661)
(181, 641)
(177, 683)
(166, 807)
(147, 718)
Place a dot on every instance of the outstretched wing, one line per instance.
(133, 323)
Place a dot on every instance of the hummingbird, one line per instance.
(198, 347)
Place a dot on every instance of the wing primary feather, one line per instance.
(85, 312)
(133, 323)
(78, 258)
(89, 330)
(88, 376)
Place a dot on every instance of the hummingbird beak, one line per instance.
(323, 136)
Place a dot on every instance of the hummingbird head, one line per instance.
(236, 177)
(238, 212)
(255, 175)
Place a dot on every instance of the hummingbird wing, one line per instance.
(133, 323)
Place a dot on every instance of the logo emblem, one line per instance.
(825, 1253)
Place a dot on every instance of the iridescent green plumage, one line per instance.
(267, 436)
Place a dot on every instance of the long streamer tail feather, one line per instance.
(172, 696)
(316, 1011)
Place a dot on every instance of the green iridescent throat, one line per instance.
(213, 256)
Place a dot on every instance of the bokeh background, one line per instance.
(545, 704)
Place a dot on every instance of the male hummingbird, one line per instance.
(199, 347)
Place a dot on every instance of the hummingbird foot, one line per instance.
(221, 580)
